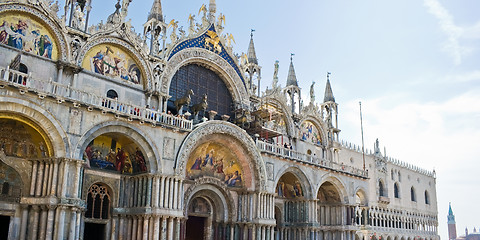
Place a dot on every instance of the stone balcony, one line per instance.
(292, 155)
(64, 93)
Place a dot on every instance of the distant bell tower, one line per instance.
(452, 228)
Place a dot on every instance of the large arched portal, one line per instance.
(332, 211)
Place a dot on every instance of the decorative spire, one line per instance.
(156, 11)
(328, 91)
(251, 55)
(292, 77)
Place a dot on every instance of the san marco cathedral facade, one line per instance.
(106, 133)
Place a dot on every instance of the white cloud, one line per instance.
(442, 135)
(454, 32)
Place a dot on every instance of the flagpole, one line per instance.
(363, 144)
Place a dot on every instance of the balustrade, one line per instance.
(25, 82)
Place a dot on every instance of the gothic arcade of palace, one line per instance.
(110, 134)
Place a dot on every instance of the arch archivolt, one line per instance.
(138, 57)
(337, 183)
(136, 135)
(211, 61)
(231, 136)
(63, 48)
(301, 176)
(41, 120)
(318, 124)
(288, 115)
(210, 188)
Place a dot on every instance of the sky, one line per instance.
(414, 65)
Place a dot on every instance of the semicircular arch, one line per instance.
(222, 199)
(211, 61)
(299, 174)
(337, 184)
(283, 109)
(145, 145)
(41, 120)
(230, 136)
(136, 65)
(45, 21)
(318, 125)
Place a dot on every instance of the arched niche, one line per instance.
(331, 191)
(202, 81)
(226, 135)
(289, 186)
(114, 61)
(218, 160)
(115, 152)
(311, 133)
(21, 138)
(27, 30)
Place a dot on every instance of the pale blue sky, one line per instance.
(414, 64)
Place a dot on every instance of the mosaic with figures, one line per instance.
(112, 61)
(24, 33)
(115, 153)
(310, 133)
(18, 139)
(215, 160)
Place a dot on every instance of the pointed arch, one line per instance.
(396, 190)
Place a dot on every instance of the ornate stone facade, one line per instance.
(87, 155)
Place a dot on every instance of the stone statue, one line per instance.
(77, 20)
(202, 106)
(377, 148)
(191, 28)
(173, 35)
(312, 93)
(275, 75)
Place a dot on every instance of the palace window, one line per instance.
(381, 189)
(396, 190)
(98, 202)
(413, 197)
(427, 198)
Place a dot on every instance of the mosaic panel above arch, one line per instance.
(289, 186)
(310, 133)
(113, 61)
(21, 31)
(115, 152)
(215, 160)
(118, 47)
(22, 139)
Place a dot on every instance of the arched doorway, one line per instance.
(207, 213)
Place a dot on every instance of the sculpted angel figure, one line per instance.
(191, 28)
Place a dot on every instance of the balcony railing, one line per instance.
(25, 82)
(286, 153)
